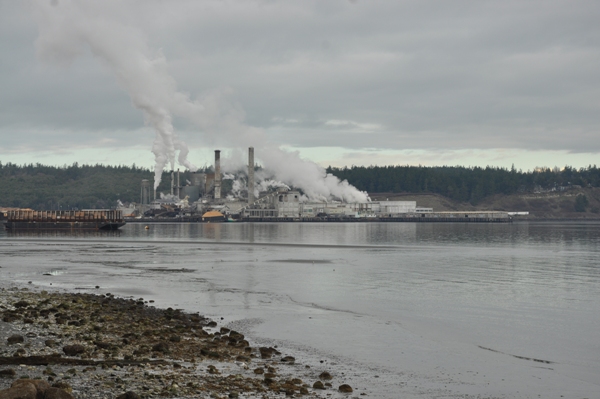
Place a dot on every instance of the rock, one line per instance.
(8, 373)
(22, 391)
(258, 370)
(102, 344)
(15, 339)
(288, 359)
(318, 385)
(50, 343)
(57, 393)
(21, 304)
(345, 388)
(73, 350)
(269, 381)
(129, 395)
(40, 386)
(63, 385)
(213, 370)
(303, 391)
(325, 376)
(161, 347)
(19, 352)
(175, 338)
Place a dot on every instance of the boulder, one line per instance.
(40, 386)
(318, 385)
(345, 388)
(63, 385)
(129, 395)
(73, 350)
(161, 347)
(22, 391)
(15, 339)
(8, 373)
(325, 376)
(102, 344)
(57, 393)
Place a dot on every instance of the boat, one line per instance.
(60, 220)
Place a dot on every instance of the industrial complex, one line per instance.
(201, 199)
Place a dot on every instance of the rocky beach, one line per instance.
(82, 345)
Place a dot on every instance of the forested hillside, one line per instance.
(98, 186)
(465, 184)
(68, 187)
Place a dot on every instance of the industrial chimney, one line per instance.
(217, 174)
(145, 194)
(250, 175)
(172, 181)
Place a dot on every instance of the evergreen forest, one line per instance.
(465, 184)
(77, 186)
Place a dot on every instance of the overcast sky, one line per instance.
(343, 82)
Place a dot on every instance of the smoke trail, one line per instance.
(67, 28)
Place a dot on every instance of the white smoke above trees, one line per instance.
(68, 28)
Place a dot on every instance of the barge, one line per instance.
(63, 220)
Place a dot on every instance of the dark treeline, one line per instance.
(38, 186)
(75, 186)
(462, 183)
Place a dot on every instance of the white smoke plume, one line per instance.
(67, 28)
(173, 199)
(268, 185)
(291, 171)
(228, 176)
(311, 178)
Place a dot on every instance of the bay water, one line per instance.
(406, 310)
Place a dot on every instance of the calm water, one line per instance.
(404, 310)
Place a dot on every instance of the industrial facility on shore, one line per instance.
(201, 200)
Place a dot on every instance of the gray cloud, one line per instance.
(394, 75)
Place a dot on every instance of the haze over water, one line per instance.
(404, 310)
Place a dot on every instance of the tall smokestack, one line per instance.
(172, 181)
(178, 185)
(145, 194)
(250, 175)
(217, 174)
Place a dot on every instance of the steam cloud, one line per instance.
(67, 28)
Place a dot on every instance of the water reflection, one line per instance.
(558, 235)
(62, 233)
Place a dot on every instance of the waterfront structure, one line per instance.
(60, 220)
